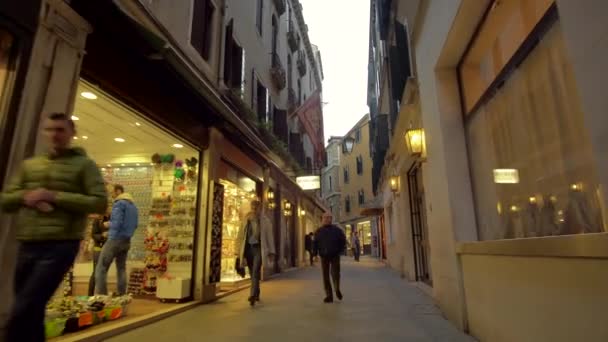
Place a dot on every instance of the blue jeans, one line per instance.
(39, 271)
(253, 255)
(113, 249)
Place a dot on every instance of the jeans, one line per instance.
(92, 279)
(113, 249)
(331, 265)
(253, 255)
(39, 271)
(311, 255)
(356, 252)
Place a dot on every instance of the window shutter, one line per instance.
(237, 61)
(228, 54)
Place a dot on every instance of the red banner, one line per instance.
(311, 117)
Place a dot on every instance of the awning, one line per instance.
(372, 208)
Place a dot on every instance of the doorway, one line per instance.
(419, 225)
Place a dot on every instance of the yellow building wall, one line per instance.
(536, 299)
(356, 182)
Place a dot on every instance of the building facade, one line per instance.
(187, 107)
(494, 175)
(331, 189)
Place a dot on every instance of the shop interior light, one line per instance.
(137, 124)
(75, 138)
(109, 165)
(103, 169)
(85, 137)
(302, 212)
(75, 118)
(120, 140)
(178, 145)
(88, 95)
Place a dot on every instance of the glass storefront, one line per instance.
(365, 236)
(7, 45)
(531, 161)
(160, 172)
(239, 192)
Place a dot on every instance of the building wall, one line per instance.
(495, 290)
(356, 182)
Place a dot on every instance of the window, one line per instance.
(275, 33)
(358, 135)
(347, 203)
(299, 92)
(531, 162)
(202, 28)
(361, 197)
(234, 62)
(262, 107)
(359, 165)
(346, 175)
(331, 186)
(259, 18)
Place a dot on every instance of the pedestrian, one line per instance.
(330, 242)
(53, 194)
(309, 245)
(121, 227)
(99, 235)
(255, 242)
(356, 245)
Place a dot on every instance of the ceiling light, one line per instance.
(122, 164)
(178, 145)
(121, 140)
(88, 95)
(137, 124)
(103, 169)
(137, 164)
(109, 165)
(75, 118)
(85, 137)
(75, 138)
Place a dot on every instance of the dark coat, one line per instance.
(330, 241)
(97, 231)
(309, 243)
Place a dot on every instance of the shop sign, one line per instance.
(506, 176)
(309, 182)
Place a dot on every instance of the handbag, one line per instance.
(240, 270)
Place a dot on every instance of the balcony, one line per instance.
(281, 6)
(293, 39)
(301, 63)
(277, 72)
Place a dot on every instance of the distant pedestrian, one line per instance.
(356, 245)
(53, 193)
(330, 241)
(121, 227)
(255, 242)
(309, 244)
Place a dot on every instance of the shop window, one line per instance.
(234, 62)
(259, 17)
(500, 36)
(346, 175)
(359, 165)
(201, 34)
(160, 172)
(531, 161)
(347, 204)
(361, 197)
(365, 236)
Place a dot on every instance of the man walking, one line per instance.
(255, 243)
(123, 222)
(53, 194)
(330, 242)
(309, 245)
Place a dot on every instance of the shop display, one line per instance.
(236, 206)
(136, 281)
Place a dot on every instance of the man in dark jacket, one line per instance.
(53, 194)
(309, 244)
(99, 234)
(330, 242)
(121, 227)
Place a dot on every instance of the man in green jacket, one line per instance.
(52, 195)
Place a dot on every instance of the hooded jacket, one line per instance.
(79, 189)
(124, 218)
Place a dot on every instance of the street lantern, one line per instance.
(394, 182)
(270, 198)
(414, 138)
(287, 209)
(348, 142)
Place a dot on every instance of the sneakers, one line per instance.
(339, 295)
(328, 300)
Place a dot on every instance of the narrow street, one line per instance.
(378, 306)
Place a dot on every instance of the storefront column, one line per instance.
(50, 86)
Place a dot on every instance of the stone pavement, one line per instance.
(378, 306)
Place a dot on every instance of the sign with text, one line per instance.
(309, 182)
(506, 176)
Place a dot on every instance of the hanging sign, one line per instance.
(309, 182)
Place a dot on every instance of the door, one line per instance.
(421, 247)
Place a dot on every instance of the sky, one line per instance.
(340, 28)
